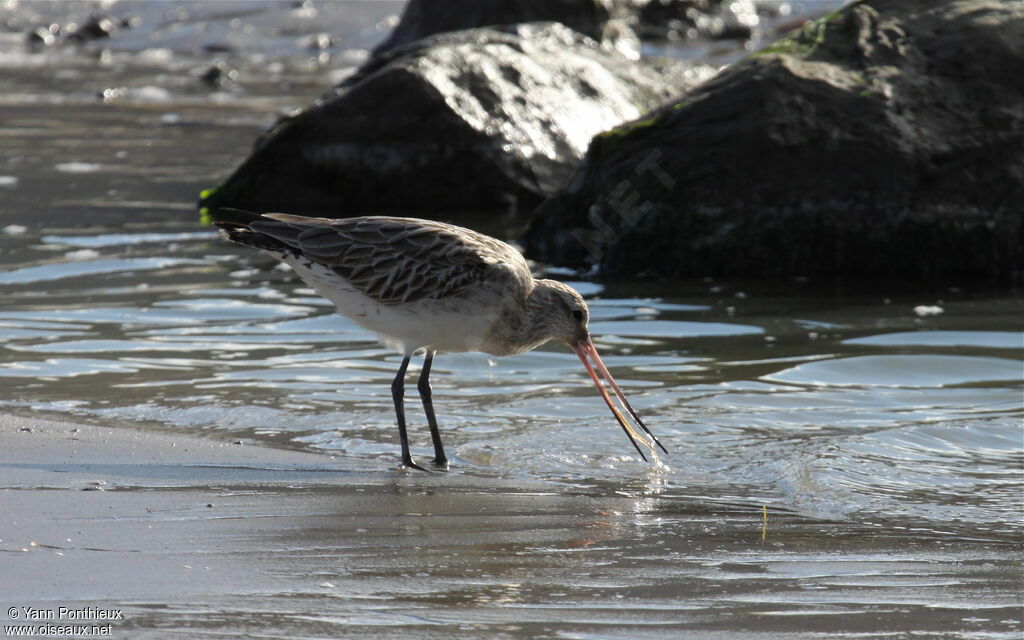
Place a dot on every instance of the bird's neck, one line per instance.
(520, 327)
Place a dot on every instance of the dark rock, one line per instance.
(218, 47)
(596, 19)
(218, 75)
(477, 120)
(886, 138)
(39, 38)
(95, 28)
(662, 19)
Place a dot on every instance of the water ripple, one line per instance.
(758, 404)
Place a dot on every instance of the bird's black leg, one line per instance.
(398, 393)
(423, 385)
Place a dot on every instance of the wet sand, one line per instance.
(189, 536)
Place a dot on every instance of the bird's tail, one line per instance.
(240, 233)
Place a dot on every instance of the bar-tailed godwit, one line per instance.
(435, 287)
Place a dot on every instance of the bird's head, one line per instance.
(566, 316)
(565, 313)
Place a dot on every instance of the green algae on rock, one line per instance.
(886, 138)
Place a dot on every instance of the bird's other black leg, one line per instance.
(398, 394)
(423, 385)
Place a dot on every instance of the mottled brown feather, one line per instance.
(396, 260)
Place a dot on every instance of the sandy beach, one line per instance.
(187, 536)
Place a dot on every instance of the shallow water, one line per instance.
(852, 408)
(878, 422)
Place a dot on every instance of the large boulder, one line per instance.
(475, 120)
(886, 138)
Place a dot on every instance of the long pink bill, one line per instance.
(585, 351)
(618, 392)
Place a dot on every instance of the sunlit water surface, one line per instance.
(860, 408)
(880, 425)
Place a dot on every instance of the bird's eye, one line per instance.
(577, 314)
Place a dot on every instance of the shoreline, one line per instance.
(183, 536)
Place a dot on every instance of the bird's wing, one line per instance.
(394, 260)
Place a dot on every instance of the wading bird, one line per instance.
(424, 285)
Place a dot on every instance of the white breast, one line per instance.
(451, 325)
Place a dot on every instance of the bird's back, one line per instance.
(397, 276)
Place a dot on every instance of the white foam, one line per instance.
(928, 310)
(78, 167)
(149, 93)
(82, 254)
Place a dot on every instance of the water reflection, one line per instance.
(840, 411)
